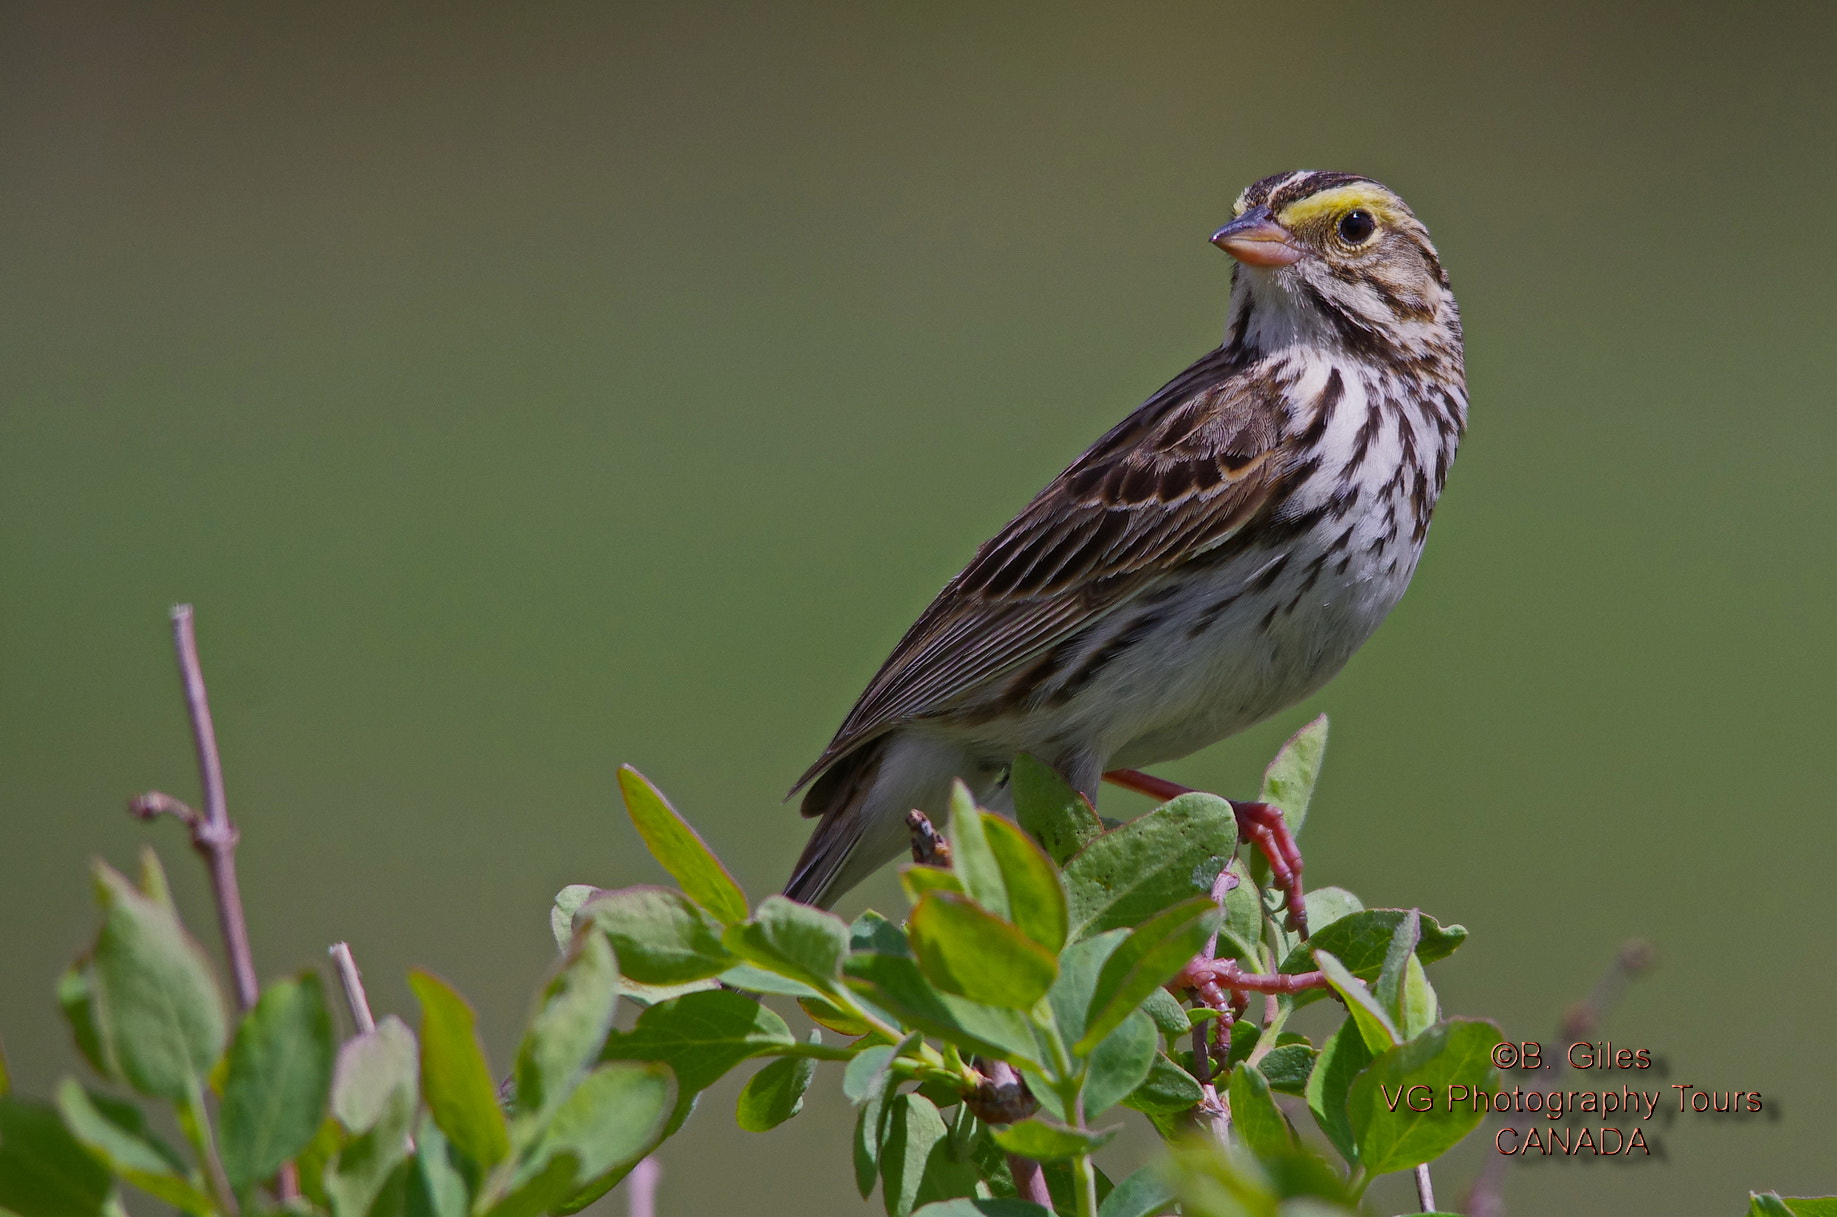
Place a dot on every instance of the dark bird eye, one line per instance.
(1356, 227)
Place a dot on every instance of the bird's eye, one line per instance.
(1356, 227)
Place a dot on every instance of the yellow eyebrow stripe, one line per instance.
(1371, 197)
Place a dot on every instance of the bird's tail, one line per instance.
(833, 861)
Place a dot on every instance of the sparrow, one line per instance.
(1213, 559)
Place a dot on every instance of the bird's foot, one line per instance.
(1260, 823)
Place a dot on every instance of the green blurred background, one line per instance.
(521, 390)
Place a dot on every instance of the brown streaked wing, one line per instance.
(1178, 476)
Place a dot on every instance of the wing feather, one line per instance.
(1179, 476)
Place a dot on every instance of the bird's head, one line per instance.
(1340, 258)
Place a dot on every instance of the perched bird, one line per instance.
(1215, 558)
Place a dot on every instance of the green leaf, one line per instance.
(1457, 1052)
(650, 995)
(1044, 1141)
(970, 855)
(1244, 1036)
(1326, 905)
(374, 1071)
(117, 1133)
(1288, 783)
(916, 1163)
(455, 1079)
(874, 933)
(438, 1188)
(1288, 1068)
(749, 979)
(1119, 1064)
(870, 1131)
(374, 1094)
(605, 1125)
(159, 1012)
(1342, 1058)
(44, 1170)
(1235, 1183)
(1142, 1194)
(1064, 1188)
(1168, 1014)
(1147, 959)
(1775, 1205)
(1046, 806)
(278, 1081)
(1373, 1023)
(1420, 1009)
(917, 879)
(833, 1017)
(1036, 898)
(561, 917)
(865, 1077)
(1258, 1122)
(1079, 966)
(660, 936)
(1167, 1089)
(970, 1206)
(964, 949)
(1241, 933)
(775, 1093)
(1361, 941)
(1049, 809)
(76, 996)
(573, 1016)
(700, 1036)
(1128, 875)
(895, 983)
(681, 852)
(1402, 949)
(544, 1185)
(794, 940)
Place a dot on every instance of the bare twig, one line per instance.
(641, 1188)
(1425, 1188)
(213, 835)
(352, 982)
(1030, 1181)
(1486, 1198)
(1003, 1098)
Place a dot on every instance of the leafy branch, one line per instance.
(1053, 972)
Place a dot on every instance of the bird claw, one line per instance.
(1264, 825)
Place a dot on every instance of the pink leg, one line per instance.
(1259, 823)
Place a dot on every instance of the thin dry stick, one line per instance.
(641, 1188)
(352, 982)
(212, 834)
(1486, 1198)
(1003, 1099)
(1425, 1188)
